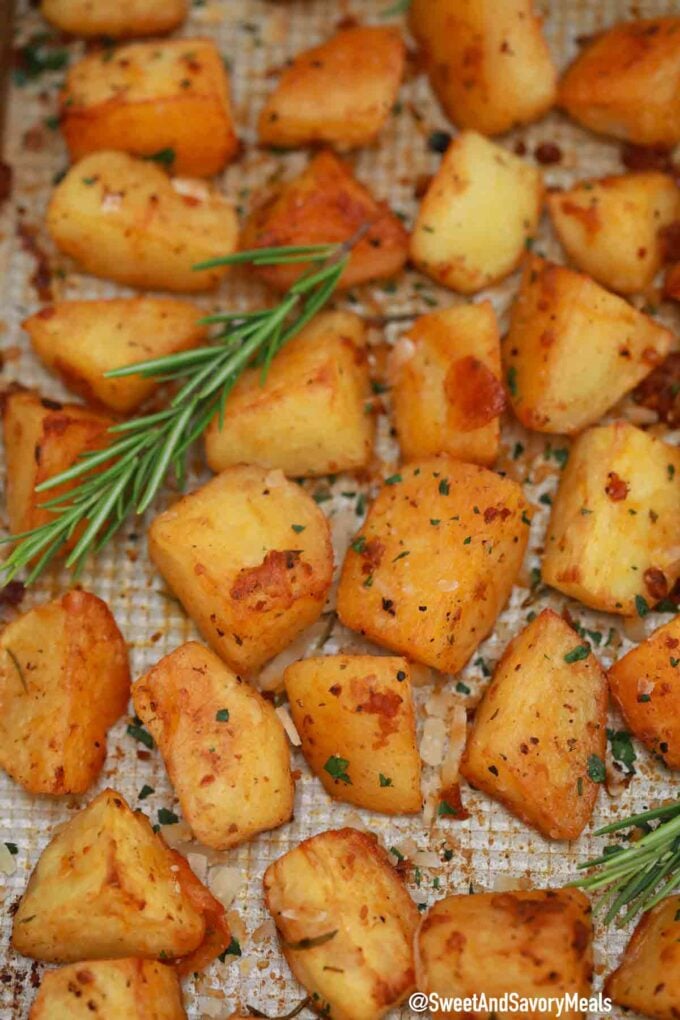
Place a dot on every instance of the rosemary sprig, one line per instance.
(123, 478)
(635, 878)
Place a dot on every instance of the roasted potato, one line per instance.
(249, 556)
(539, 728)
(346, 923)
(612, 541)
(610, 227)
(648, 978)
(456, 239)
(487, 61)
(224, 748)
(107, 886)
(110, 989)
(435, 560)
(532, 944)
(81, 340)
(115, 21)
(355, 717)
(573, 349)
(64, 680)
(168, 100)
(446, 389)
(309, 416)
(626, 82)
(645, 684)
(326, 204)
(124, 219)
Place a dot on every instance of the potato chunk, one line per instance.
(64, 680)
(249, 556)
(573, 349)
(446, 390)
(110, 989)
(309, 416)
(81, 340)
(626, 82)
(648, 978)
(326, 204)
(456, 239)
(645, 684)
(346, 923)
(612, 542)
(539, 734)
(487, 61)
(224, 748)
(106, 886)
(168, 99)
(355, 717)
(435, 561)
(112, 20)
(122, 218)
(533, 944)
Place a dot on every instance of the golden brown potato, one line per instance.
(114, 20)
(648, 978)
(645, 684)
(81, 340)
(124, 219)
(223, 746)
(573, 349)
(479, 184)
(626, 82)
(64, 680)
(355, 717)
(435, 561)
(346, 923)
(309, 416)
(168, 100)
(446, 389)
(487, 61)
(612, 542)
(107, 886)
(326, 204)
(340, 92)
(110, 989)
(249, 556)
(610, 227)
(533, 944)
(541, 728)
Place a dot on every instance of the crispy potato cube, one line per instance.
(326, 204)
(122, 218)
(456, 239)
(540, 725)
(645, 684)
(249, 556)
(111, 989)
(309, 416)
(169, 99)
(346, 923)
(610, 228)
(648, 978)
(112, 20)
(81, 340)
(435, 561)
(224, 748)
(107, 886)
(612, 541)
(64, 680)
(355, 717)
(446, 389)
(487, 61)
(626, 82)
(573, 349)
(340, 92)
(536, 943)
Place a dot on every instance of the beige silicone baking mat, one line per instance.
(491, 849)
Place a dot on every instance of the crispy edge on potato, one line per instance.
(115, 20)
(647, 979)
